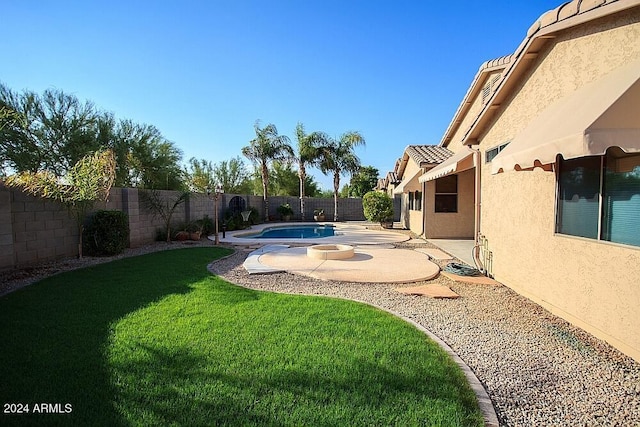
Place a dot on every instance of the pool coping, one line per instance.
(346, 233)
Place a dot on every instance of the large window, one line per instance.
(447, 194)
(599, 197)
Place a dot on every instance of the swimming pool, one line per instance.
(292, 232)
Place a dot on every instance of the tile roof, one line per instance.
(429, 154)
(392, 178)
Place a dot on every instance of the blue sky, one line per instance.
(204, 71)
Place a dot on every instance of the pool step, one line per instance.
(252, 263)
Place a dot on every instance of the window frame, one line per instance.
(601, 214)
(494, 151)
(443, 194)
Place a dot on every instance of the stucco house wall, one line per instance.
(449, 225)
(593, 284)
(411, 219)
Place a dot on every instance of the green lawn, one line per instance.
(157, 340)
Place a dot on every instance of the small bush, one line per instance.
(254, 216)
(285, 210)
(206, 225)
(377, 206)
(107, 233)
(161, 235)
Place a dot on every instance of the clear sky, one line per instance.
(204, 71)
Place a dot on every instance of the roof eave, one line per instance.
(538, 36)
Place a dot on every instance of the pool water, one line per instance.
(293, 232)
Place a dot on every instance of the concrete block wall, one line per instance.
(348, 209)
(35, 230)
(39, 230)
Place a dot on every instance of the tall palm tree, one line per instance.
(338, 157)
(308, 152)
(265, 148)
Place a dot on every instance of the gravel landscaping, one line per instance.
(538, 369)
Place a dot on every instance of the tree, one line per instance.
(338, 157)
(55, 132)
(233, 176)
(307, 153)
(284, 181)
(199, 175)
(88, 181)
(265, 148)
(363, 181)
(153, 161)
(162, 207)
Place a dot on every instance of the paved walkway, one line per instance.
(461, 249)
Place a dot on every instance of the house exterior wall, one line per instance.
(411, 219)
(590, 283)
(469, 118)
(449, 225)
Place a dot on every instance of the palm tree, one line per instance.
(308, 152)
(265, 148)
(338, 157)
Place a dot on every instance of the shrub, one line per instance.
(254, 216)
(107, 233)
(206, 225)
(285, 210)
(377, 206)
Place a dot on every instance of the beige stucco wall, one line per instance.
(469, 118)
(592, 284)
(409, 218)
(459, 225)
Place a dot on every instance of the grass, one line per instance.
(157, 340)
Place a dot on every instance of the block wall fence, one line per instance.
(35, 230)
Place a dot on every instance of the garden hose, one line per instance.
(461, 269)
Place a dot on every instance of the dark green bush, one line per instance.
(107, 233)
(207, 225)
(377, 206)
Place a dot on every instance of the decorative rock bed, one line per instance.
(330, 251)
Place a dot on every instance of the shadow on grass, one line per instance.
(317, 362)
(54, 334)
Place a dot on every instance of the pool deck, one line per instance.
(345, 233)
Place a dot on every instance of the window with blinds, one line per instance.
(599, 197)
(490, 154)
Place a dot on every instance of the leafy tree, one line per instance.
(199, 175)
(55, 132)
(338, 157)
(344, 192)
(88, 181)
(284, 181)
(233, 176)
(363, 181)
(307, 154)
(154, 162)
(325, 194)
(265, 148)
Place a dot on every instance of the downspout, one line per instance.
(477, 203)
(422, 204)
